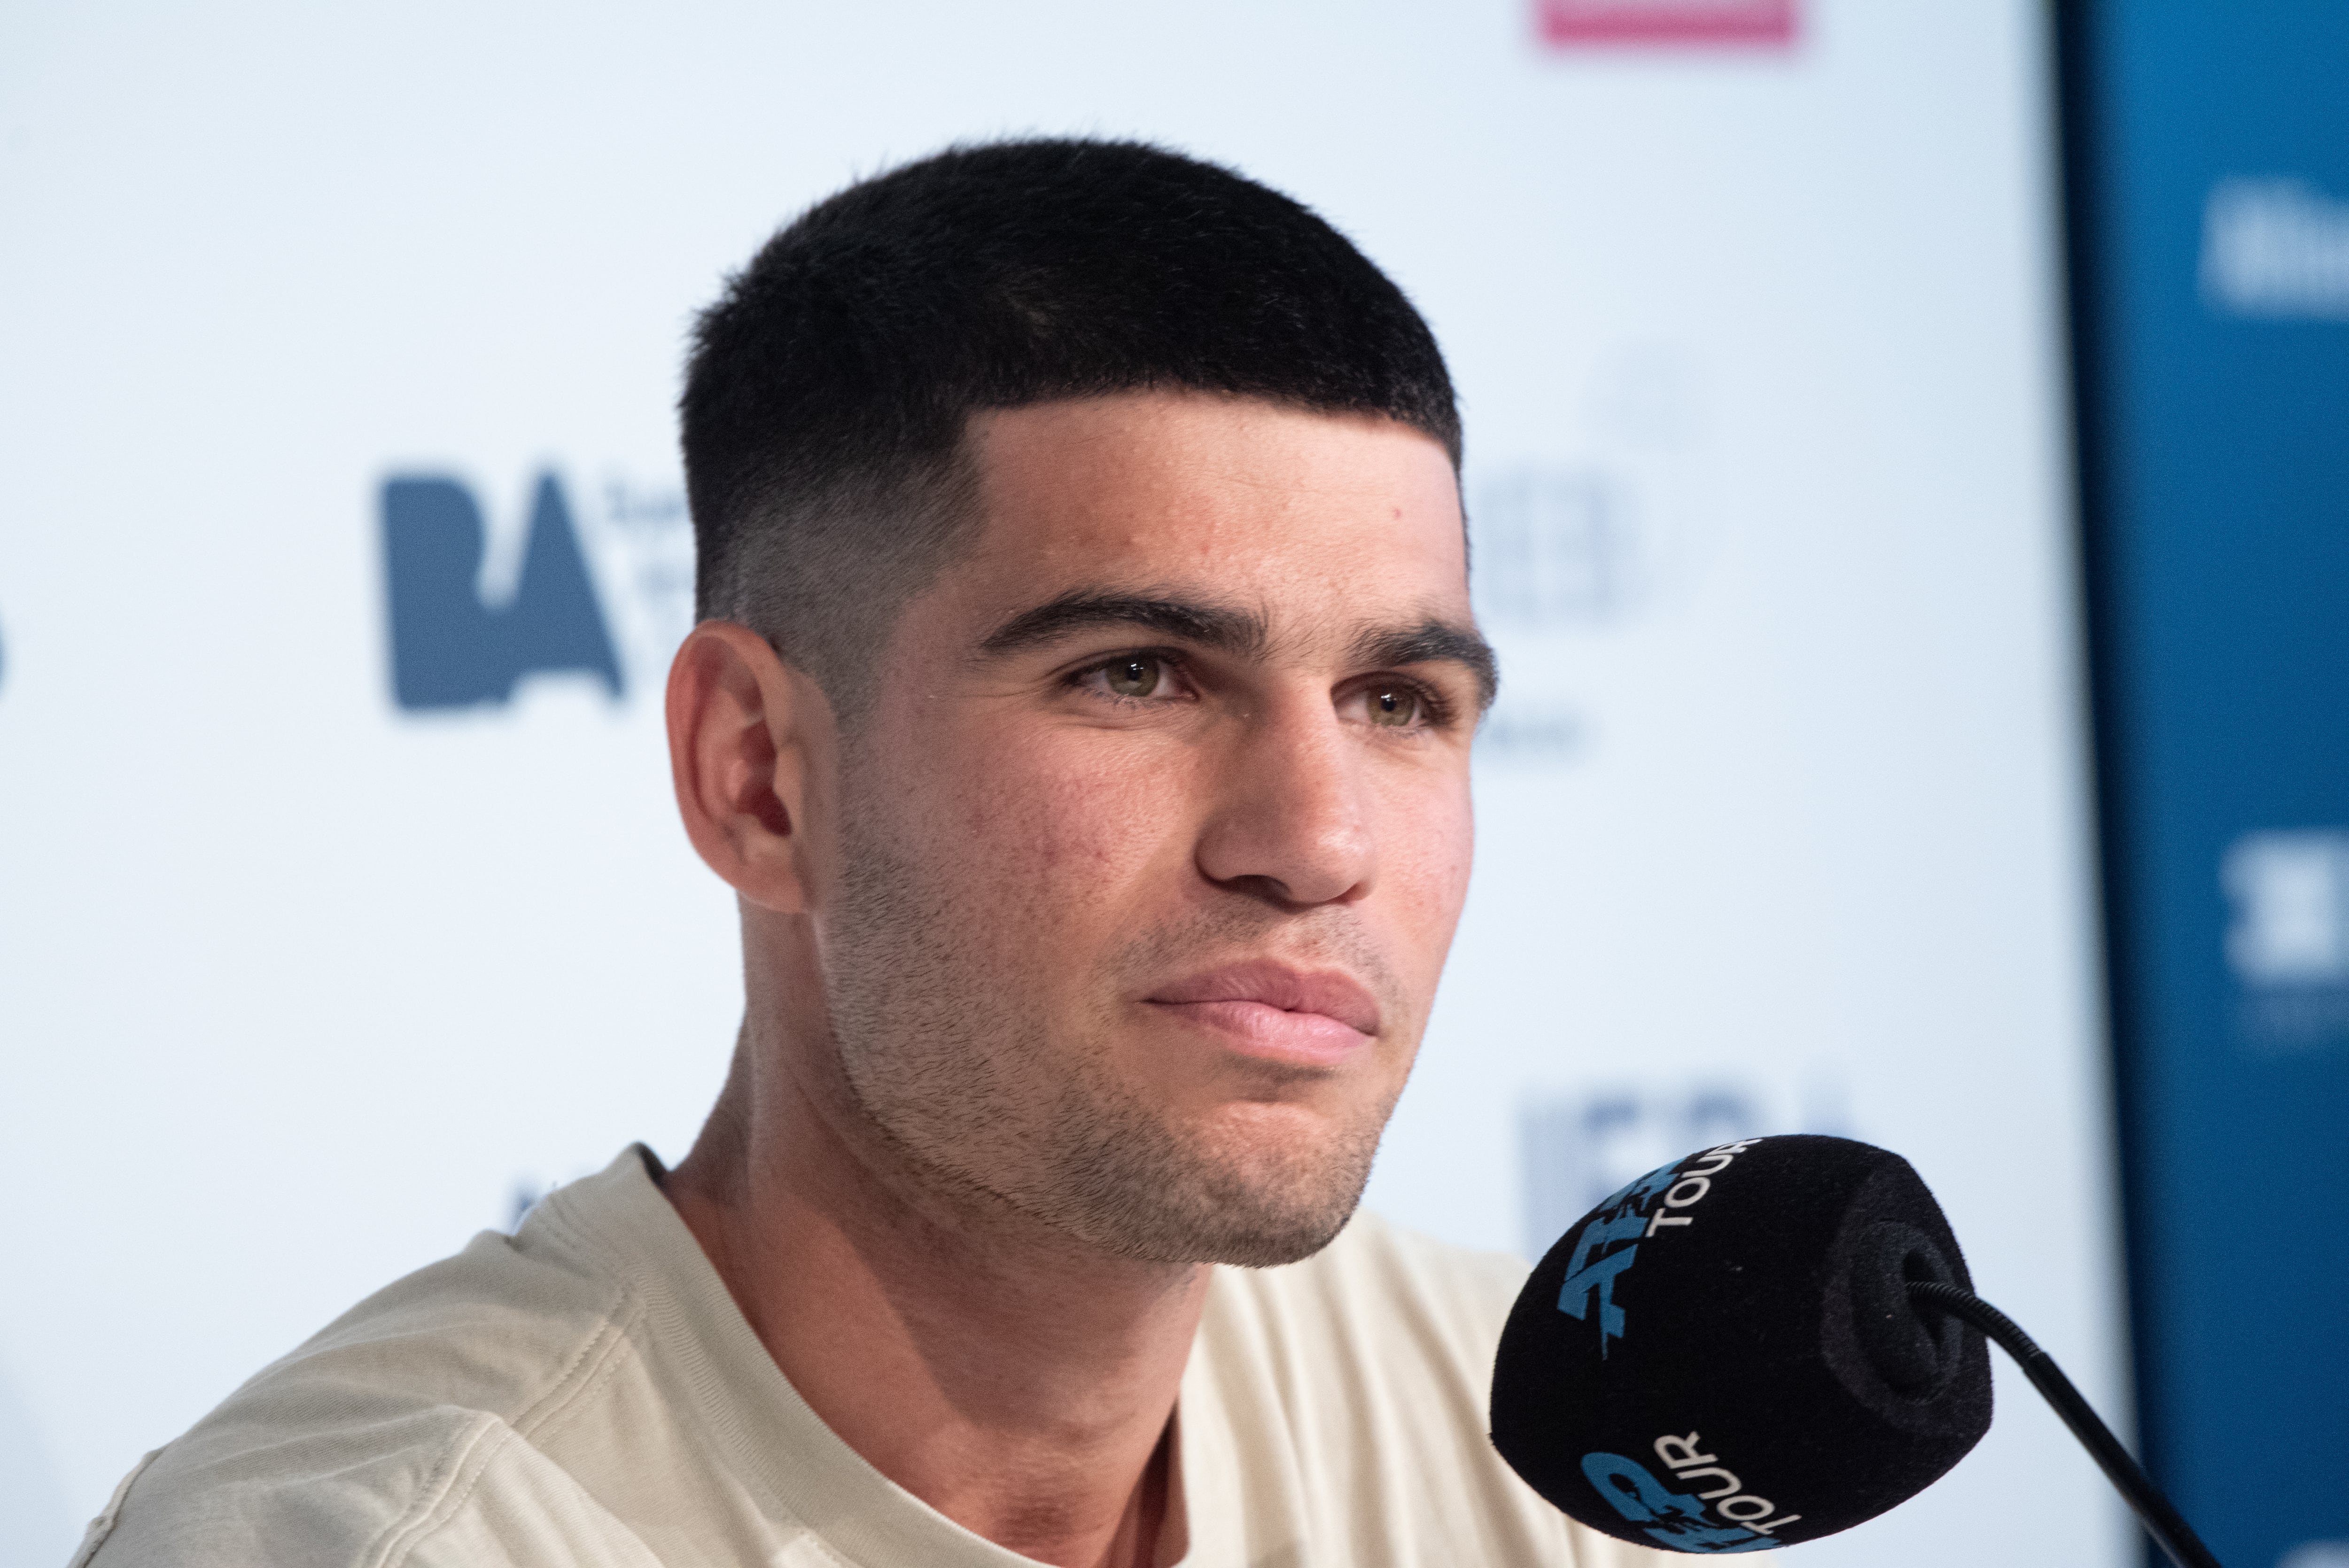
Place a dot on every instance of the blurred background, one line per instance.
(1905, 452)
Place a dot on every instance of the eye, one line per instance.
(1131, 677)
(1135, 676)
(1397, 706)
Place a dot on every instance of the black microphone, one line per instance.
(1764, 1343)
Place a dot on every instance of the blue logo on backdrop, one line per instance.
(449, 649)
(2288, 943)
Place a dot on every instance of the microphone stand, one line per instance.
(2161, 1520)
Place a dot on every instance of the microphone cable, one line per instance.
(2162, 1522)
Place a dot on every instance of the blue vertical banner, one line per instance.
(2208, 153)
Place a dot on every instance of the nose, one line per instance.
(1290, 820)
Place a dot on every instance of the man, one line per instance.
(1081, 712)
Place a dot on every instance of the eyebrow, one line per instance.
(1240, 632)
(1433, 642)
(1227, 630)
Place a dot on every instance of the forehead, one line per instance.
(1296, 513)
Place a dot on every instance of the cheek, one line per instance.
(1054, 833)
(1427, 846)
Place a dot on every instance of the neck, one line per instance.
(1022, 1384)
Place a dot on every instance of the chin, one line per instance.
(1270, 1185)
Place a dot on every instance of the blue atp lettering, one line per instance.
(1672, 1519)
(1590, 1279)
(450, 649)
(1592, 1268)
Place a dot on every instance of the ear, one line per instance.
(752, 750)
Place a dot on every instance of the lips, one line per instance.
(1269, 1010)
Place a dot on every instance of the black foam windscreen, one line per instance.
(1722, 1357)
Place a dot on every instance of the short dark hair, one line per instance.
(830, 386)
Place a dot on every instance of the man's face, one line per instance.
(1156, 832)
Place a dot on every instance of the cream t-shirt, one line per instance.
(584, 1394)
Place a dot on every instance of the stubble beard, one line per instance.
(962, 1083)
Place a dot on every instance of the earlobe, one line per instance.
(748, 736)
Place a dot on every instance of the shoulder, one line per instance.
(1381, 1284)
(1467, 1291)
(368, 1439)
(1350, 1393)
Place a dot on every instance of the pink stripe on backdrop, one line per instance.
(1572, 24)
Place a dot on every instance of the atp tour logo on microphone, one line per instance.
(471, 623)
(1609, 1241)
(1678, 1519)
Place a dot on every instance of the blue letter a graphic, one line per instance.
(449, 649)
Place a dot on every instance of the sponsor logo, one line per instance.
(2288, 942)
(1561, 547)
(1606, 528)
(1738, 1521)
(2316, 1554)
(1608, 1242)
(452, 648)
(465, 634)
(2290, 893)
(2275, 248)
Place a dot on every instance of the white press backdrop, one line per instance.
(1782, 812)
